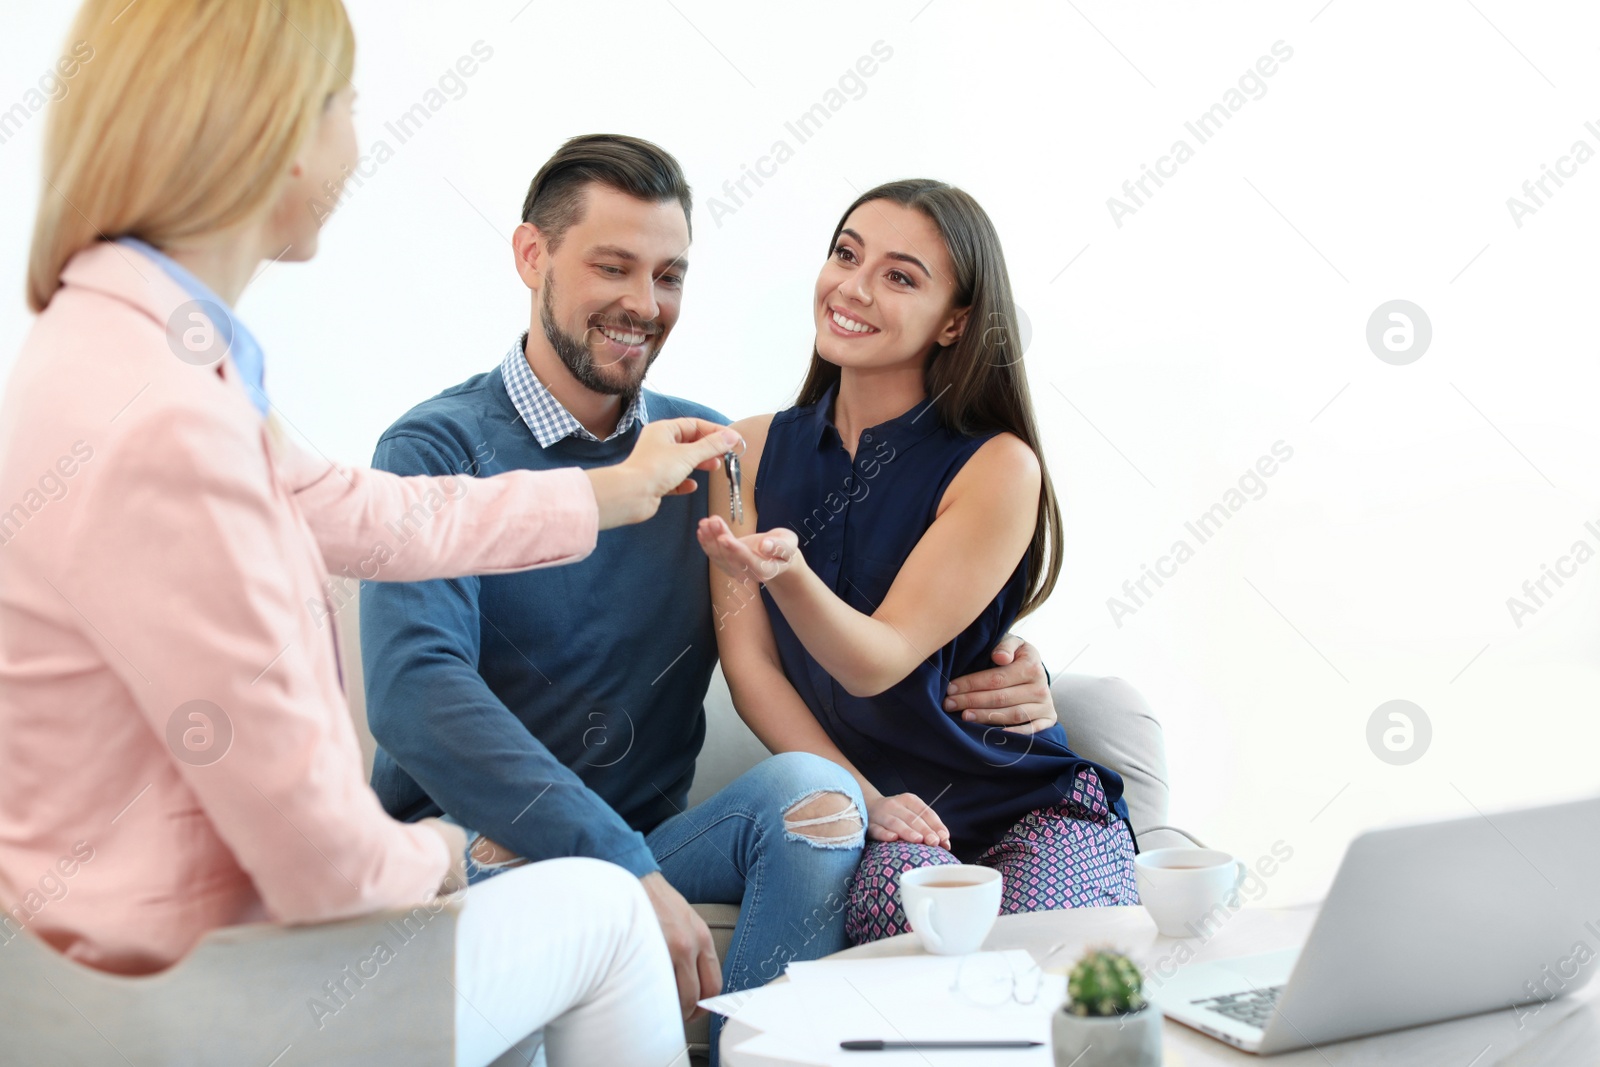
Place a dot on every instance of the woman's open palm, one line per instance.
(762, 556)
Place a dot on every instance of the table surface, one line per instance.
(1563, 1033)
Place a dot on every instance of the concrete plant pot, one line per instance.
(1131, 1040)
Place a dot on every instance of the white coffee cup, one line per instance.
(952, 908)
(1189, 892)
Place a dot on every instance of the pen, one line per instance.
(920, 1046)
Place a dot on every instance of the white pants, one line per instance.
(572, 947)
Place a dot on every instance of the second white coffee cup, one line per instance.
(1188, 891)
(951, 908)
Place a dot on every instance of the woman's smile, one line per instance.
(846, 325)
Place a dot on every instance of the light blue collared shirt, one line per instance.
(240, 342)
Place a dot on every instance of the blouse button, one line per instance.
(866, 437)
(833, 555)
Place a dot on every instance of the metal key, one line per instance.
(730, 461)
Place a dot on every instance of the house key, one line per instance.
(730, 461)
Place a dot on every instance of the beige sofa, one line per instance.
(244, 995)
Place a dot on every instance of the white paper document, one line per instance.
(904, 998)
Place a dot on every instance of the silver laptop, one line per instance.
(1422, 923)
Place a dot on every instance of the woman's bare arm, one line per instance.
(762, 694)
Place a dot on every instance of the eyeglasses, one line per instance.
(991, 980)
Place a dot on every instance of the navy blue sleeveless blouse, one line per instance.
(858, 522)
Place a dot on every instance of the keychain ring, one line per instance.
(742, 447)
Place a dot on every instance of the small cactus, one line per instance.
(1104, 983)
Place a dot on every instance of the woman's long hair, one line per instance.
(977, 384)
(182, 120)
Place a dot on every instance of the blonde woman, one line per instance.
(172, 719)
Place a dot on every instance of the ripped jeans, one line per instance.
(758, 843)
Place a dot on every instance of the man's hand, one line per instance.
(694, 957)
(1016, 695)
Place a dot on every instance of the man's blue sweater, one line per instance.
(557, 711)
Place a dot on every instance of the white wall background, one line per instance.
(1168, 354)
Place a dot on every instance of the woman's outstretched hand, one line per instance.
(665, 455)
(904, 817)
(762, 556)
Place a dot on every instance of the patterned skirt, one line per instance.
(1076, 853)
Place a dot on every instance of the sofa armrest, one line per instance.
(319, 993)
(1107, 721)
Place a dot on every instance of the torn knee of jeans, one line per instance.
(825, 819)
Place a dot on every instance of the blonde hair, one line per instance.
(184, 123)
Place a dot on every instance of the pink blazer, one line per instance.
(176, 751)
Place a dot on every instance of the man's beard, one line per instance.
(579, 359)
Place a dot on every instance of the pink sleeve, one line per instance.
(387, 527)
(191, 570)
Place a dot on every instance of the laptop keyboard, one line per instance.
(1252, 1007)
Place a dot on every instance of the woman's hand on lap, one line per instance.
(904, 817)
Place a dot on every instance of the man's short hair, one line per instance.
(555, 200)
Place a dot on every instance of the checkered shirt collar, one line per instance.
(544, 414)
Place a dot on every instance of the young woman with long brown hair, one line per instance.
(902, 518)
